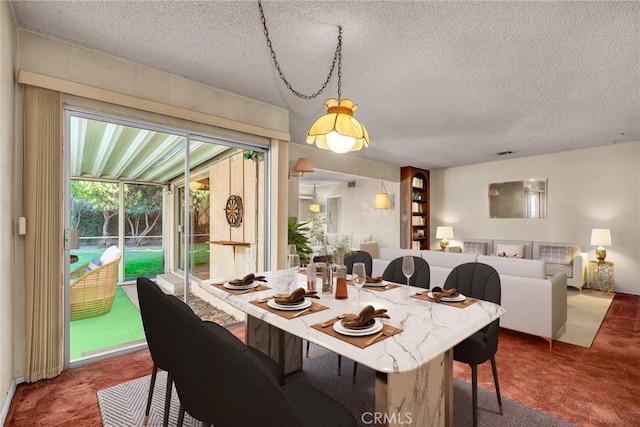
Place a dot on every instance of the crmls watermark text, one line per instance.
(381, 418)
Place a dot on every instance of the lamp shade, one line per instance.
(381, 201)
(314, 207)
(601, 237)
(338, 130)
(444, 233)
(303, 165)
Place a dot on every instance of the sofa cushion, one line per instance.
(553, 269)
(356, 239)
(447, 259)
(516, 267)
(510, 250)
(111, 254)
(477, 248)
(555, 254)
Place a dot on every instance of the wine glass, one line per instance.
(407, 268)
(292, 250)
(360, 276)
(293, 266)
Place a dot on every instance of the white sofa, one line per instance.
(558, 257)
(534, 303)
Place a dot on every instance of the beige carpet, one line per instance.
(585, 313)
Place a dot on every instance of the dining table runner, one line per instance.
(460, 304)
(290, 314)
(260, 287)
(361, 342)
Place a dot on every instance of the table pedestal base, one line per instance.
(284, 348)
(422, 397)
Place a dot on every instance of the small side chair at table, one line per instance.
(480, 281)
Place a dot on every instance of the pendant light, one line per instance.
(337, 130)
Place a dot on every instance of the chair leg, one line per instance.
(180, 416)
(308, 349)
(167, 400)
(355, 371)
(339, 364)
(495, 380)
(474, 393)
(152, 384)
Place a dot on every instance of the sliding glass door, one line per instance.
(145, 201)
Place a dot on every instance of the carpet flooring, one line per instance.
(585, 313)
(588, 387)
(123, 405)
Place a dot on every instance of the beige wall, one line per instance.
(589, 188)
(8, 196)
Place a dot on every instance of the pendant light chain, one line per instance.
(337, 57)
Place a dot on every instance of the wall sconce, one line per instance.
(302, 165)
(444, 233)
(382, 199)
(314, 207)
(601, 237)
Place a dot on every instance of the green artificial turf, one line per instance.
(121, 325)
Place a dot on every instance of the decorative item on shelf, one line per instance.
(601, 237)
(382, 199)
(303, 165)
(444, 233)
(493, 192)
(233, 210)
(337, 130)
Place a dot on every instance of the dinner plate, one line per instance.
(458, 298)
(376, 285)
(241, 287)
(376, 327)
(305, 304)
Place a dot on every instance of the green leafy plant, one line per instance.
(297, 235)
(252, 155)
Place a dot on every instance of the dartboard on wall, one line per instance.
(233, 211)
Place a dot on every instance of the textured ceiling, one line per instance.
(438, 83)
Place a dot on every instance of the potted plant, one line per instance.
(297, 235)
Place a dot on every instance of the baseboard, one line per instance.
(9, 398)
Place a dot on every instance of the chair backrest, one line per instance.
(152, 305)
(219, 381)
(480, 281)
(359, 256)
(421, 276)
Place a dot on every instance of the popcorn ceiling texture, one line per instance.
(439, 84)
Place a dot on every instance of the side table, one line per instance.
(601, 276)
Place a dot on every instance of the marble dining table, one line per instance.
(414, 368)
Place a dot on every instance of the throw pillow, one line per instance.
(95, 263)
(510, 251)
(110, 254)
(476, 248)
(555, 254)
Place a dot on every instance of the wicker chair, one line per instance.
(93, 292)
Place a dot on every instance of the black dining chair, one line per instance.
(359, 256)
(479, 281)
(152, 300)
(221, 382)
(421, 274)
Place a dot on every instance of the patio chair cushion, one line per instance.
(95, 263)
(110, 254)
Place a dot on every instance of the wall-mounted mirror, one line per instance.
(518, 199)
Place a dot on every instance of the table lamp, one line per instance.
(444, 233)
(601, 237)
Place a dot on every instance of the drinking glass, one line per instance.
(292, 250)
(293, 266)
(360, 276)
(407, 268)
